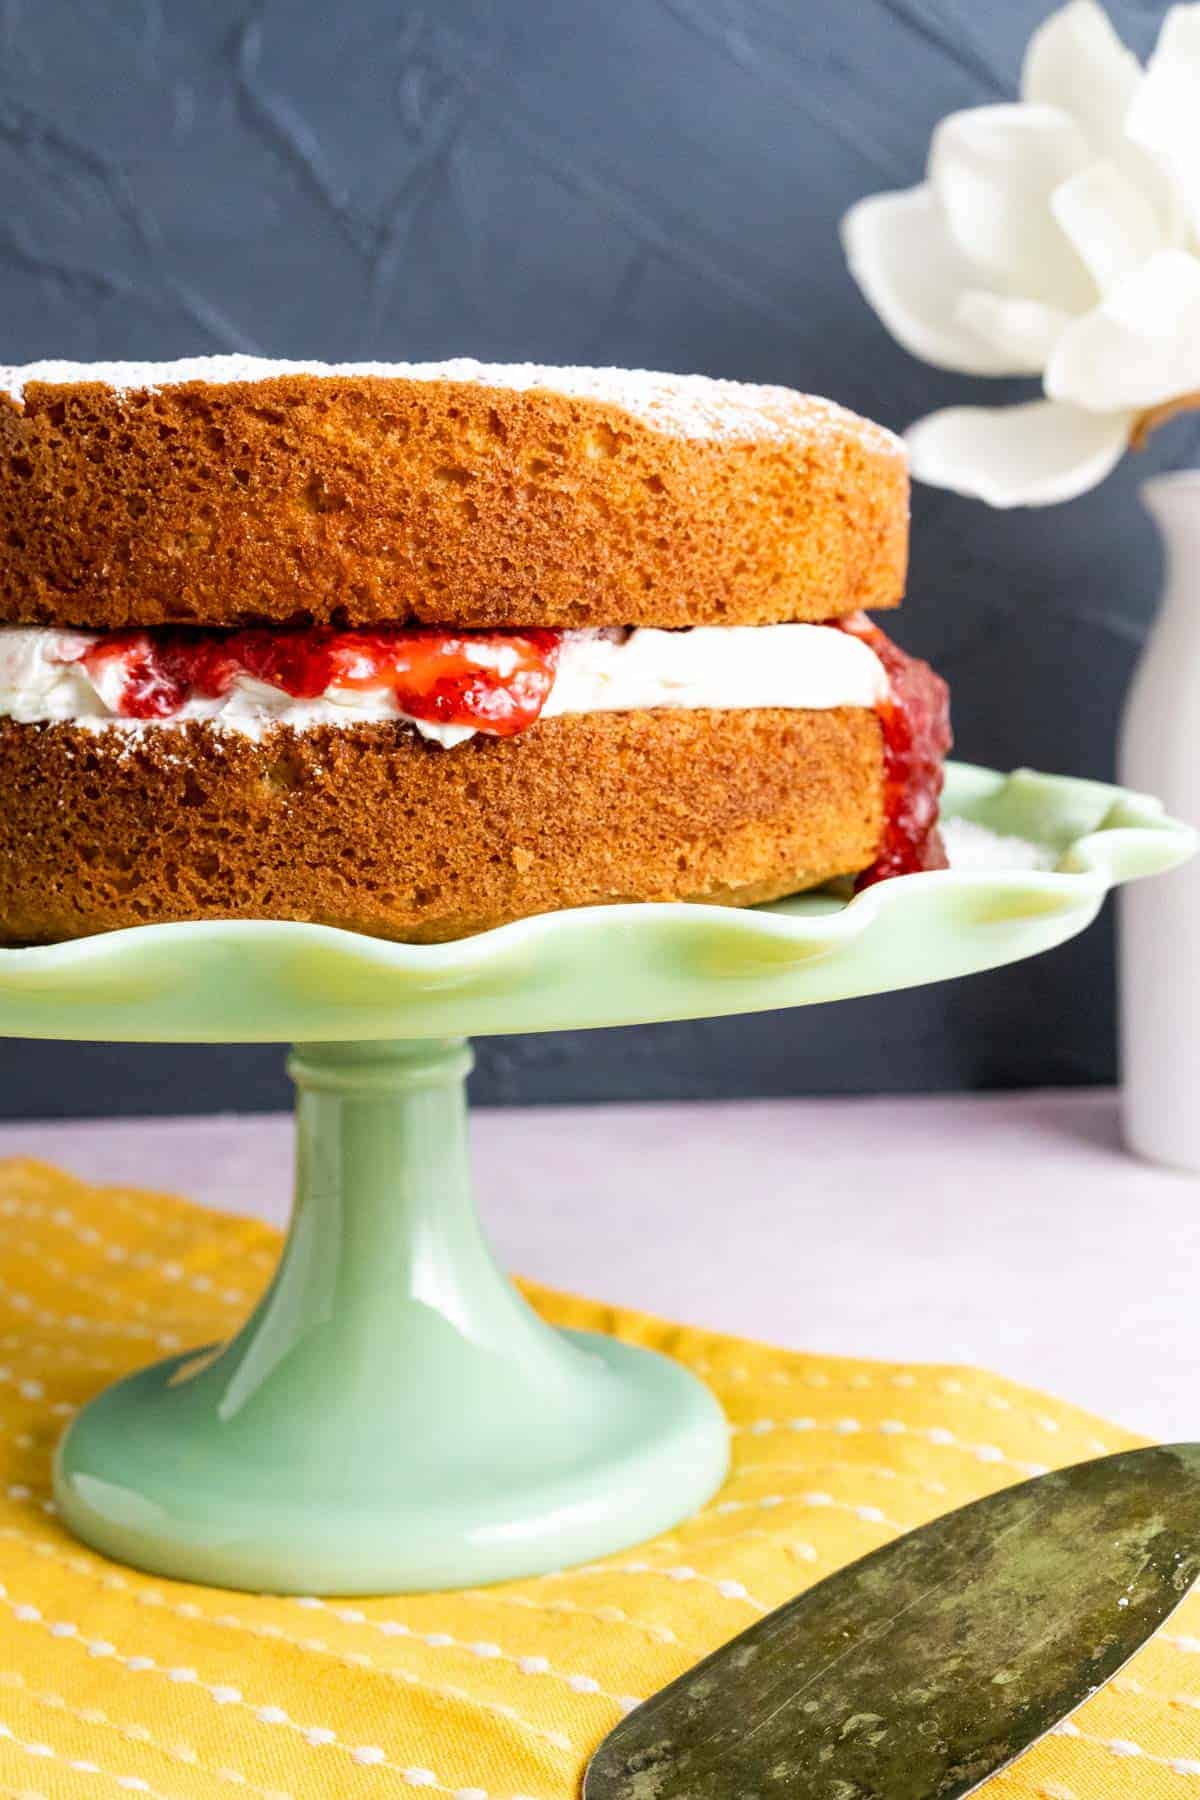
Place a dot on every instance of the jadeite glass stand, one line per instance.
(393, 1415)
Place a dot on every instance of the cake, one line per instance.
(417, 650)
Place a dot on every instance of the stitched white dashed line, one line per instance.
(139, 1203)
(25, 1440)
(54, 1265)
(28, 1308)
(578, 1683)
(777, 1539)
(1125, 1684)
(132, 1784)
(318, 1736)
(904, 1476)
(1125, 1747)
(110, 1250)
(58, 1352)
(681, 1572)
(100, 1290)
(938, 1435)
(817, 1380)
(153, 1217)
(26, 1386)
(94, 1716)
(358, 1659)
(349, 1659)
(809, 1378)
(484, 1651)
(603, 1615)
(812, 1501)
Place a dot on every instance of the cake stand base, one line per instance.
(393, 1416)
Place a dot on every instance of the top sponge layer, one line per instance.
(233, 490)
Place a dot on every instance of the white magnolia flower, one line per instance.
(1058, 236)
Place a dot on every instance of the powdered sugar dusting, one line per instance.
(682, 406)
(972, 846)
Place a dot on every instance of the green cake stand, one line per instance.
(393, 1416)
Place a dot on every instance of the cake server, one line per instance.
(924, 1668)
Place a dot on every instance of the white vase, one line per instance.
(1159, 921)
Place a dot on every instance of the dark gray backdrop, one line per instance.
(647, 182)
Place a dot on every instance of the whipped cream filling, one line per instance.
(724, 667)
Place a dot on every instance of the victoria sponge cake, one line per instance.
(420, 649)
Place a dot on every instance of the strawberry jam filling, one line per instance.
(916, 740)
(493, 681)
(497, 682)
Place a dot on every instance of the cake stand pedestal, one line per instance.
(393, 1415)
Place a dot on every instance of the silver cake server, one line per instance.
(924, 1668)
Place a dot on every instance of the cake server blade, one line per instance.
(924, 1668)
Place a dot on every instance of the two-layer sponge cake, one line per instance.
(417, 650)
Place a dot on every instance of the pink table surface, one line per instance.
(1004, 1230)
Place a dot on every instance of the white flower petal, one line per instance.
(904, 261)
(1140, 346)
(1164, 114)
(1113, 225)
(1076, 62)
(1022, 331)
(992, 171)
(1179, 38)
(1030, 455)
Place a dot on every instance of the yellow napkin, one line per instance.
(111, 1681)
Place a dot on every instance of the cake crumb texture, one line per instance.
(225, 492)
(374, 830)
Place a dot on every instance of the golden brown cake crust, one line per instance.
(354, 499)
(371, 828)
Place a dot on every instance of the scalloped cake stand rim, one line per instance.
(271, 981)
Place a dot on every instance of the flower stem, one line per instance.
(1148, 422)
